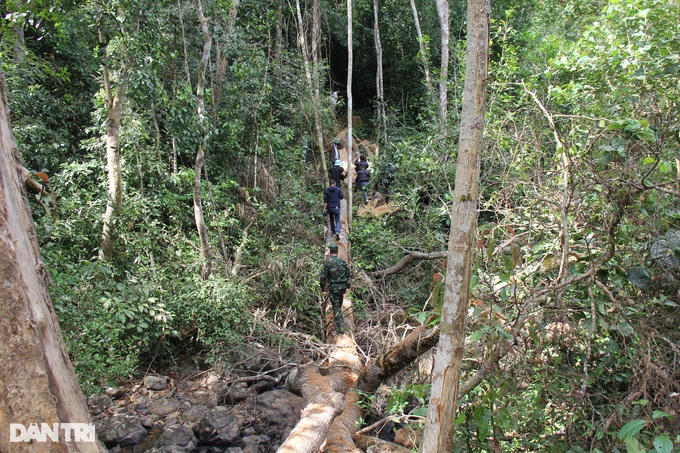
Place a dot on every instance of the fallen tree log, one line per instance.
(323, 405)
(405, 260)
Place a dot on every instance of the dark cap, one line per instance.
(333, 248)
(336, 140)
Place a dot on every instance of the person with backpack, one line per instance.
(331, 205)
(335, 278)
(363, 176)
(337, 173)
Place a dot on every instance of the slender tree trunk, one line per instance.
(184, 44)
(443, 10)
(350, 63)
(114, 202)
(302, 42)
(423, 54)
(316, 50)
(37, 381)
(379, 83)
(439, 427)
(157, 131)
(566, 192)
(200, 154)
(279, 32)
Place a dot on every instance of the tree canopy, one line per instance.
(571, 337)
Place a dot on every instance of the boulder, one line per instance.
(98, 403)
(219, 426)
(122, 431)
(177, 438)
(156, 382)
(164, 407)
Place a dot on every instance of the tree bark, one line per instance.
(114, 203)
(379, 81)
(37, 381)
(184, 44)
(443, 10)
(201, 227)
(279, 33)
(302, 42)
(350, 63)
(439, 427)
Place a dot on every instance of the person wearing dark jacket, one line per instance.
(361, 163)
(337, 173)
(331, 205)
(363, 176)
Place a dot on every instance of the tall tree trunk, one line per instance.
(279, 32)
(423, 54)
(350, 62)
(114, 202)
(443, 10)
(379, 83)
(200, 154)
(439, 426)
(184, 44)
(37, 381)
(302, 42)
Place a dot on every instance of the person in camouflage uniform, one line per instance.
(335, 277)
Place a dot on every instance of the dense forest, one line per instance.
(176, 154)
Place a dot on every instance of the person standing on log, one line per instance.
(331, 206)
(363, 176)
(335, 278)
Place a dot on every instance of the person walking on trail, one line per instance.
(363, 176)
(337, 173)
(335, 278)
(331, 206)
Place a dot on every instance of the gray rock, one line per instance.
(164, 407)
(264, 386)
(277, 413)
(148, 421)
(156, 382)
(255, 444)
(115, 392)
(122, 431)
(178, 436)
(142, 405)
(280, 407)
(193, 415)
(234, 395)
(98, 403)
(220, 426)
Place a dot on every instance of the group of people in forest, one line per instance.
(335, 274)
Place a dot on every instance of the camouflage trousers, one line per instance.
(336, 302)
